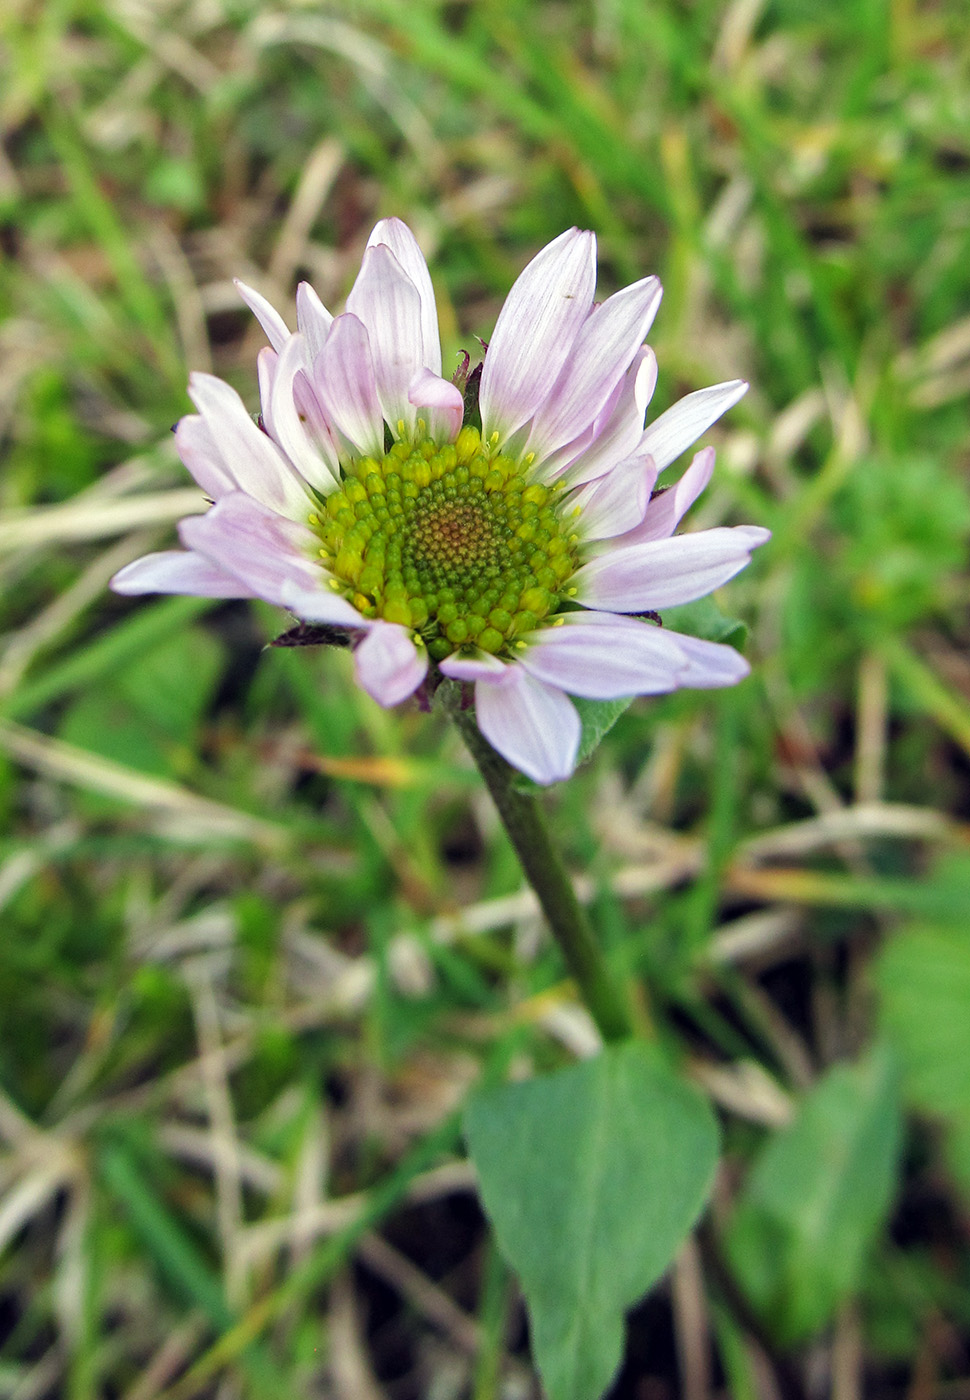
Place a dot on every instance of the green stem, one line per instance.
(523, 820)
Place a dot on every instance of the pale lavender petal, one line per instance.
(343, 378)
(389, 666)
(532, 725)
(711, 664)
(311, 411)
(603, 657)
(198, 451)
(403, 244)
(665, 511)
(601, 356)
(663, 573)
(313, 320)
(618, 429)
(387, 302)
(444, 403)
(536, 330)
(271, 555)
(266, 362)
(255, 463)
(178, 571)
(268, 317)
(674, 431)
(616, 502)
(287, 427)
(473, 666)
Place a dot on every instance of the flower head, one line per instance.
(514, 555)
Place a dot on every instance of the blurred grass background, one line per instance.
(258, 936)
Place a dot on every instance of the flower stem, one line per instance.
(523, 819)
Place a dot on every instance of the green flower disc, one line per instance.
(454, 542)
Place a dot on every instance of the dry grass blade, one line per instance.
(88, 518)
(181, 814)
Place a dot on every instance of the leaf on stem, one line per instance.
(591, 1177)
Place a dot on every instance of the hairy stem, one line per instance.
(523, 820)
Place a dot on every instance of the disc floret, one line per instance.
(451, 540)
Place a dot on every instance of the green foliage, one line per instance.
(923, 977)
(816, 1198)
(146, 715)
(799, 177)
(591, 1177)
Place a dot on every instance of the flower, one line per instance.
(514, 556)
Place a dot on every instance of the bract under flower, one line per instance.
(509, 558)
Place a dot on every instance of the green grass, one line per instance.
(254, 947)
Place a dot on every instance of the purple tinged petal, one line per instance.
(268, 317)
(254, 463)
(266, 362)
(388, 664)
(198, 451)
(178, 571)
(386, 300)
(616, 502)
(604, 657)
(711, 664)
(663, 573)
(602, 354)
(664, 513)
(313, 320)
(398, 237)
(271, 555)
(288, 429)
(343, 378)
(536, 331)
(443, 400)
(682, 424)
(532, 725)
(617, 432)
(473, 666)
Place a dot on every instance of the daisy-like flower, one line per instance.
(515, 556)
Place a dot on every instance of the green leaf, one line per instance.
(173, 683)
(924, 980)
(704, 618)
(816, 1197)
(591, 1178)
(598, 717)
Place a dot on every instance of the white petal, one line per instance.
(178, 571)
(197, 449)
(474, 666)
(663, 573)
(601, 356)
(618, 429)
(603, 657)
(403, 244)
(443, 402)
(287, 428)
(312, 318)
(536, 330)
(664, 513)
(271, 555)
(616, 502)
(674, 431)
(268, 317)
(388, 664)
(255, 464)
(343, 378)
(711, 664)
(532, 725)
(387, 302)
(266, 362)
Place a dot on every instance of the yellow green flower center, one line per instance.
(453, 541)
